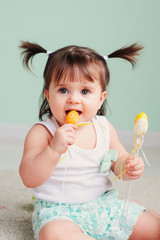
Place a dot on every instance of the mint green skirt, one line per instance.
(99, 218)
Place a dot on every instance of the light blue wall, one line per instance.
(103, 25)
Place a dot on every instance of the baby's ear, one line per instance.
(46, 94)
(103, 97)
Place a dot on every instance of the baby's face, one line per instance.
(83, 96)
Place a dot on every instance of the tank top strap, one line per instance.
(50, 123)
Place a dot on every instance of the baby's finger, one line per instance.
(129, 160)
(70, 140)
(134, 174)
(136, 164)
(74, 126)
(69, 126)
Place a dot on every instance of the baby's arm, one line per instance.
(134, 167)
(42, 152)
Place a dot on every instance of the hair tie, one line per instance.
(105, 58)
(48, 52)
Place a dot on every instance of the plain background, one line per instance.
(103, 25)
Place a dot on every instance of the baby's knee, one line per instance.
(58, 230)
(51, 231)
(147, 227)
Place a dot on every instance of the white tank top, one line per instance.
(83, 179)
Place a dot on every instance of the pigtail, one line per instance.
(30, 50)
(128, 53)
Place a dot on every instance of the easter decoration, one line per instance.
(140, 128)
(72, 117)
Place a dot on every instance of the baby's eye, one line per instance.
(85, 91)
(62, 90)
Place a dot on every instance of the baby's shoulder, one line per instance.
(49, 124)
(41, 130)
(37, 132)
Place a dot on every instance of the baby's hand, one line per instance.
(135, 167)
(63, 137)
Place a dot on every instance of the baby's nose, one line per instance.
(74, 98)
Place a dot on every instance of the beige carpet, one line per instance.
(16, 204)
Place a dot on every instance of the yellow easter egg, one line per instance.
(141, 124)
(72, 117)
(141, 115)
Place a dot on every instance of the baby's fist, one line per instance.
(135, 167)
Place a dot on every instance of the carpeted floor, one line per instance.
(15, 208)
(16, 202)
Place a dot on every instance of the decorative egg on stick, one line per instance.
(140, 128)
(72, 117)
(141, 124)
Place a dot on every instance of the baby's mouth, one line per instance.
(79, 112)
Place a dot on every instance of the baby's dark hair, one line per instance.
(68, 61)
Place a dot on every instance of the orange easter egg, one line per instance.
(72, 117)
